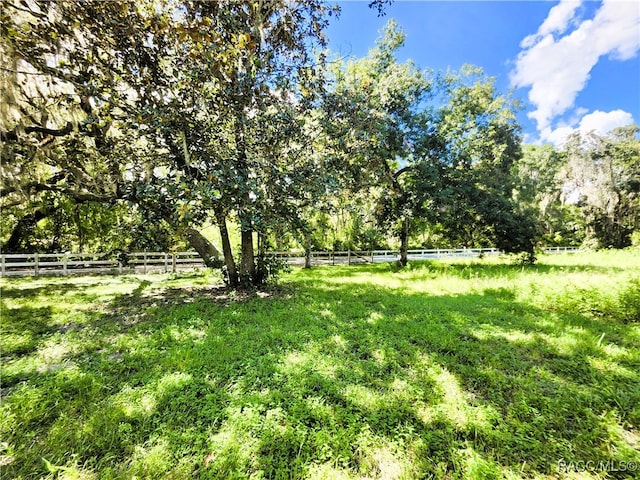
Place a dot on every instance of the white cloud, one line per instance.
(603, 122)
(598, 122)
(557, 69)
(556, 22)
(557, 136)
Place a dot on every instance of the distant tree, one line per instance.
(440, 147)
(603, 172)
(477, 144)
(541, 188)
(375, 118)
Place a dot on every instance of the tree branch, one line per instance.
(12, 135)
(51, 131)
(401, 171)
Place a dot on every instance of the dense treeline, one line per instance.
(163, 124)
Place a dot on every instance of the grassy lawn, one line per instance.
(443, 370)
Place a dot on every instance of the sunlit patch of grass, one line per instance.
(610, 367)
(455, 369)
(72, 472)
(327, 471)
(310, 361)
(153, 459)
(455, 405)
(363, 397)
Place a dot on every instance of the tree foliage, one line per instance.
(478, 144)
(133, 124)
(604, 173)
(586, 191)
(181, 108)
(442, 145)
(63, 141)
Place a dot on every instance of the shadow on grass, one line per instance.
(332, 380)
(48, 289)
(23, 328)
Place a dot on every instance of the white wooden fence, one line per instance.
(351, 257)
(48, 264)
(85, 263)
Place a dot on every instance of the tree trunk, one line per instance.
(78, 221)
(404, 242)
(16, 243)
(232, 271)
(247, 262)
(306, 240)
(207, 250)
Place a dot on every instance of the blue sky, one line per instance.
(574, 64)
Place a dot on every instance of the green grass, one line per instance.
(442, 370)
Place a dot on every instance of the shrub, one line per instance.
(269, 268)
(629, 302)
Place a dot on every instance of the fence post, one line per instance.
(144, 263)
(348, 257)
(174, 262)
(65, 260)
(37, 264)
(372, 257)
(166, 262)
(3, 266)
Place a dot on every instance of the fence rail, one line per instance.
(351, 257)
(47, 264)
(50, 264)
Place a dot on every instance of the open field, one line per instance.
(459, 369)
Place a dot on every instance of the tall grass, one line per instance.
(456, 369)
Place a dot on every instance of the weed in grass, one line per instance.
(629, 301)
